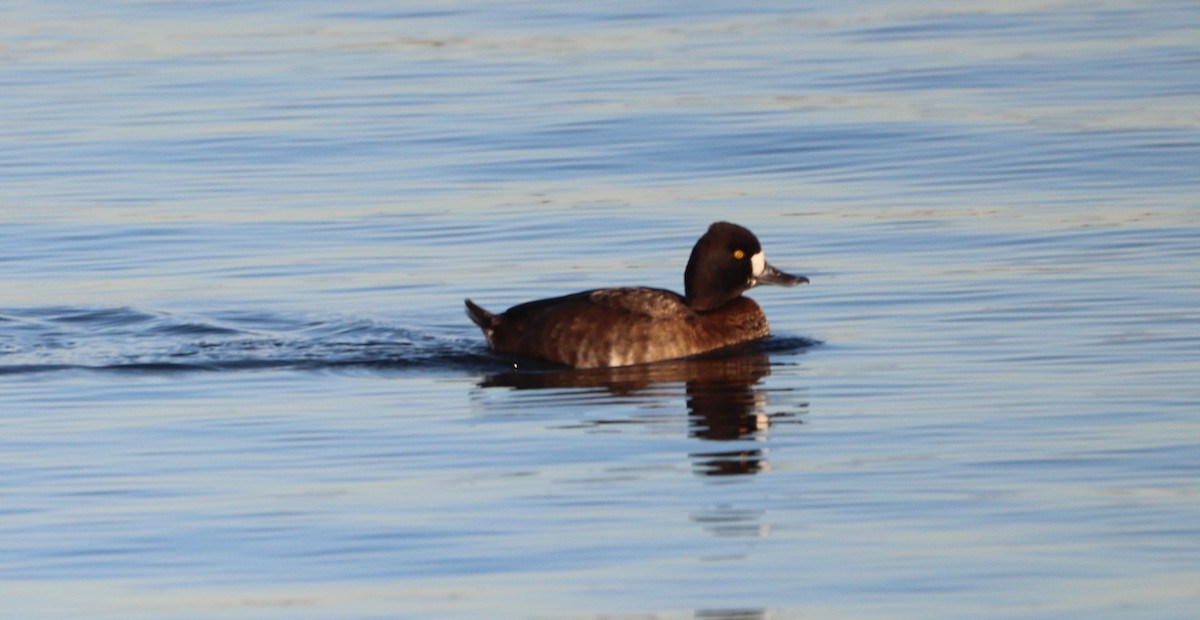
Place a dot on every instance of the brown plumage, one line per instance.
(637, 325)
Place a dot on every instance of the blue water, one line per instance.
(236, 379)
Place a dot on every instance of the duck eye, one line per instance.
(738, 254)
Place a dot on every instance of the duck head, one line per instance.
(726, 262)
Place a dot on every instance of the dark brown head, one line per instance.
(726, 262)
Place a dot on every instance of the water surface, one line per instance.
(236, 379)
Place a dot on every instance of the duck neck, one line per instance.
(702, 294)
(706, 303)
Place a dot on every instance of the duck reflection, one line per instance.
(724, 399)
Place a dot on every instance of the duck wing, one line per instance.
(654, 303)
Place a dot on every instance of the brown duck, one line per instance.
(637, 325)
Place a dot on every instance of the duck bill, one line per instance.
(773, 276)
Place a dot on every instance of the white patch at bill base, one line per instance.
(758, 262)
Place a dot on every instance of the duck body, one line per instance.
(618, 327)
(637, 325)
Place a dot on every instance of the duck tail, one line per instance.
(484, 319)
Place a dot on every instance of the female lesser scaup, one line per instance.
(635, 325)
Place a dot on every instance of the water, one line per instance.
(236, 379)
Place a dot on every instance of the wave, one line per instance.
(127, 339)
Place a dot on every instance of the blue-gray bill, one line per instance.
(775, 277)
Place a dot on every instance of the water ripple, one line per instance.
(61, 338)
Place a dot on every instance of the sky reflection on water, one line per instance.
(235, 377)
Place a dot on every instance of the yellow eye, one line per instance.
(738, 254)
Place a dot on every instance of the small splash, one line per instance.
(126, 339)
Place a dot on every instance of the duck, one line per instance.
(627, 326)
